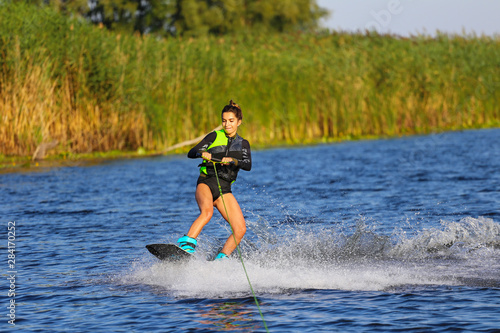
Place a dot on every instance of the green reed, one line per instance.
(92, 90)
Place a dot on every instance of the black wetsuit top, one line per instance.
(237, 148)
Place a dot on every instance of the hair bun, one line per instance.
(231, 103)
(233, 107)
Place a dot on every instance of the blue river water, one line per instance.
(383, 235)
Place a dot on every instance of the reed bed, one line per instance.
(91, 90)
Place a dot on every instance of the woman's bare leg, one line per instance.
(205, 203)
(235, 218)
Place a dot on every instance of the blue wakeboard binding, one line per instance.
(188, 244)
(221, 256)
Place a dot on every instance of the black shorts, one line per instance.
(211, 182)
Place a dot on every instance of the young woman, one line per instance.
(233, 152)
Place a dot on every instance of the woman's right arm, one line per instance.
(202, 146)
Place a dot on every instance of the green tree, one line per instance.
(199, 17)
(285, 15)
(195, 17)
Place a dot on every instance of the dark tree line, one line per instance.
(194, 17)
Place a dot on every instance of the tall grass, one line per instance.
(92, 90)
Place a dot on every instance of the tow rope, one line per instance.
(238, 248)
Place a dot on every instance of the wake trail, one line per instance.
(296, 257)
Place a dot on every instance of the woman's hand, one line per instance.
(227, 160)
(206, 156)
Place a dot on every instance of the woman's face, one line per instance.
(230, 123)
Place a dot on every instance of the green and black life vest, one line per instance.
(223, 146)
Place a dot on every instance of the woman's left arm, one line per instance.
(246, 161)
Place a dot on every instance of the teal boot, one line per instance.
(188, 244)
(221, 256)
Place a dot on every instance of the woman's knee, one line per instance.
(207, 214)
(240, 230)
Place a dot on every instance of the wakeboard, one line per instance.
(168, 252)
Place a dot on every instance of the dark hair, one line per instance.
(234, 108)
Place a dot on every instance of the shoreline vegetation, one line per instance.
(102, 94)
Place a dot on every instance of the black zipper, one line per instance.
(229, 142)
